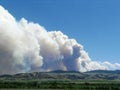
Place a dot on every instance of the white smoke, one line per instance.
(27, 46)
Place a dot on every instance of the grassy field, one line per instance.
(60, 84)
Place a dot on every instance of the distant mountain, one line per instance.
(66, 75)
(61, 71)
(105, 71)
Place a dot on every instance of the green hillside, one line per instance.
(65, 80)
(66, 75)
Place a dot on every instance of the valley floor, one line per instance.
(59, 85)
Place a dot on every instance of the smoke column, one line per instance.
(27, 47)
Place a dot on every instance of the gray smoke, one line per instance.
(27, 46)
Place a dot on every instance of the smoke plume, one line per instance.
(27, 47)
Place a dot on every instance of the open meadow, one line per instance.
(61, 84)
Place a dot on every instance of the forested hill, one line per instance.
(68, 75)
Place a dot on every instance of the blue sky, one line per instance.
(93, 23)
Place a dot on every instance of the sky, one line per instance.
(93, 23)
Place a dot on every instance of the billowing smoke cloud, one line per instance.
(27, 46)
